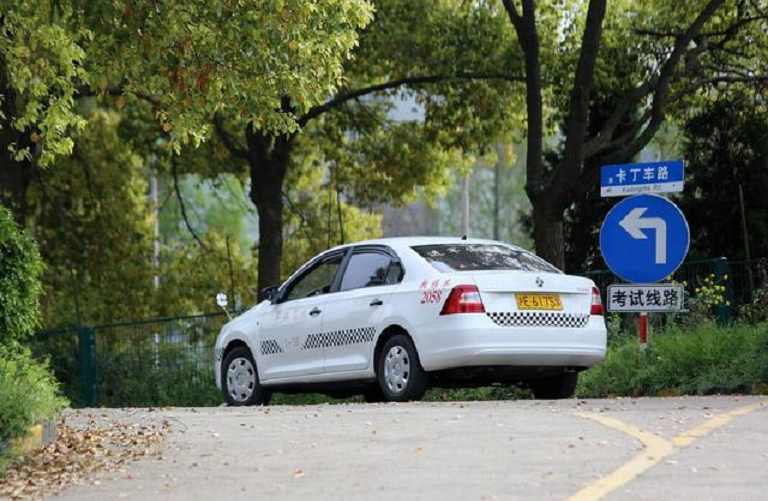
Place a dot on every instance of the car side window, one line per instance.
(366, 269)
(395, 273)
(317, 281)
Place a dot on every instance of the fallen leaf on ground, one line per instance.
(93, 443)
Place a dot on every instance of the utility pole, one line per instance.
(156, 209)
(497, 190)
(465, 205)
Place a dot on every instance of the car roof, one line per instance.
(404, 242)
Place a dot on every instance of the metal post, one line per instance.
(231, 277)
(86, 347)
(745, 233)
(643, 328)
(465, 205)
(497, 191)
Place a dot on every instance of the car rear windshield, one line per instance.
(478, 257)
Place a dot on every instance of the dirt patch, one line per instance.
(88, 442)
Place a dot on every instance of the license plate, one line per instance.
(538, 302)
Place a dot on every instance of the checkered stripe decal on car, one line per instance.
(339, 338)
(270, 347)
(539, 319)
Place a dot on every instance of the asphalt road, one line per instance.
(702, 448)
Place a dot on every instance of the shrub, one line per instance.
(756, 311)
(20, 289)
(28, 395)
(704, 361)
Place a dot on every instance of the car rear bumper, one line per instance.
(474, 340)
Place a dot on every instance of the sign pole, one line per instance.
(643, 327)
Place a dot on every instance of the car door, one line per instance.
(289, 332)
(352, 314)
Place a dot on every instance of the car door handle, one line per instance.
(377, 302)
(315, 311)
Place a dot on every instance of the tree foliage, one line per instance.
(257, 59)
(413, 52)
(726, 150)
(639, 61)
(92, 220)
(20, 289)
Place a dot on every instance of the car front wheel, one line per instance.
(399, 372)
(240, 379)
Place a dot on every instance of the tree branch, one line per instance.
(181, 202)
(343, 97)
(229, 140)
(578, 116)
(528, 37)
(661, 90)
(514, 16)
(116, 91)
(658, 87)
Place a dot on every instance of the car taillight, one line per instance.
(597, 302)
(463, 299)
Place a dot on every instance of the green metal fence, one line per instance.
(167, 361)
(740, 278)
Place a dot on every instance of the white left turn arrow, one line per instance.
(634, 223)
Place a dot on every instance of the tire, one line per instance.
(399, 373)
(554, 387)
(240, 380)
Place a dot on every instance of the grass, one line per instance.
(705, 361)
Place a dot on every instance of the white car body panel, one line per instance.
(292, 347)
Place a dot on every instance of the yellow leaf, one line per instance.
(293, 45)
(167, 126)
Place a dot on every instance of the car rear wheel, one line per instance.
(240, 379)
(399, 372)
(554, 387)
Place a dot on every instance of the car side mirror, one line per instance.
(269, 293)
(223, 301)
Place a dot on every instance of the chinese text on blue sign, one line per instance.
(631, 179)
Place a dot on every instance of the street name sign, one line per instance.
(627, 298)
(644, 238)
(633, 179)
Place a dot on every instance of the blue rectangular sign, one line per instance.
(649, 177)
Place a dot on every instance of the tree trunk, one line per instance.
(548, 234)
(269, 158)
(269, 203)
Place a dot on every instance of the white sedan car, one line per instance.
(389, 318)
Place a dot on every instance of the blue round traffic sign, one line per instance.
(644, 238)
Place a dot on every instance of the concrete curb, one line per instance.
(39, 436)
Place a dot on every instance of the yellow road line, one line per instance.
(716, 422)
(656, 449)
